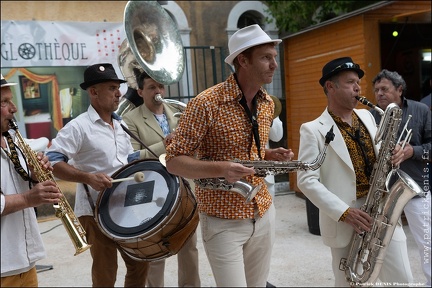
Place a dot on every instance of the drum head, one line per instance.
(129, 208)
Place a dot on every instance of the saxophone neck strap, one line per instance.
(252, 115)
(13, 156)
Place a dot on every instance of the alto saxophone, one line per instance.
(390, 189)
(62, 209)
(262, 169)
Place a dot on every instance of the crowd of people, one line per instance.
(232, 120)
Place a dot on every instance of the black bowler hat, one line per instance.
(99, 73)
(337, 65)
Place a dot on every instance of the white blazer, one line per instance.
(332, 187)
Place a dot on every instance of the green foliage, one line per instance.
(294, 15)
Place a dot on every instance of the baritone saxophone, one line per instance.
(390, 190)
(62, 208)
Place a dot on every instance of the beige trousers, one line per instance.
(188, 267)
(239, 251)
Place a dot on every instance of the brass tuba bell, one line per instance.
(153, 45)
(155, 42)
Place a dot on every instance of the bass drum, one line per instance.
(150, 220)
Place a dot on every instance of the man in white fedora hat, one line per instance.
(21, 243)
(231, 121)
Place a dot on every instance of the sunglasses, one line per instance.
(348, 65)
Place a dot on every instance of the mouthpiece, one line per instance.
(159, 98)
(13, 124)
(366, 102)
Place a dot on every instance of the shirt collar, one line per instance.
(404, 102)
(234, 93)
(94, 116)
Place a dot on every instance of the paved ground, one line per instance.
(299, 257)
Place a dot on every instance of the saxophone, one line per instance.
(262, 169)
(390, 190)
(62, 209)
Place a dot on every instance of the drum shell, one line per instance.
(163, 235)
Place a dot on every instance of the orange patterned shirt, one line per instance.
(215, 127)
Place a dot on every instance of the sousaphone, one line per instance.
(153, 44)
(154, 40)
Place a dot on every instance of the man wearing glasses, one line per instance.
(340, 186)
(390, 87)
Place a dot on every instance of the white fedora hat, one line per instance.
(4, 83)
(245, 38)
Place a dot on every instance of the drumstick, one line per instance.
(138, 177)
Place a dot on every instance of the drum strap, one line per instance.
(139, 140)
(89, 198)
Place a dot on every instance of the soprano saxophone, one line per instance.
(62, 209)
(262, 169)
(390, 189)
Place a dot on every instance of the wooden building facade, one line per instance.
(361, 35)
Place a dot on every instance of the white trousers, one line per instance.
(239, 251)
(395, 271)
(418, 215)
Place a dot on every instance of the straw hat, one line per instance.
(245, 38)
(4, 83)
(278, 106)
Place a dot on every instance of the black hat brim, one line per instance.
(85, 85)
(329, 75)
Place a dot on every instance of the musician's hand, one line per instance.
(235, 171)
(45, 192)
(360, 220)
(278, 154)
(99, 181)
(397, 155)
(43, 162)
(408, 151)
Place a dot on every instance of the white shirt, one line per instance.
(275, 135)
(276, 130)
(93, 146)
(21, 242)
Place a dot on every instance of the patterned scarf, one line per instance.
(13, 155)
